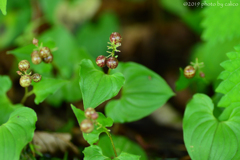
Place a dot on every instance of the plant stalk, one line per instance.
(26, 95)
(110, 137)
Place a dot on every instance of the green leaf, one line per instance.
(207, 137)
(127, 156)
(97, 86)
(46, 87)
(197, 83)
(94, 36)
(94, 135)
(143, 92)
(94, 153)
(122, 145)
(17, 132)
(217, 31)
(230, 76)
(3, 6)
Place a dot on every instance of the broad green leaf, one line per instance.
(220, 23)
(197, 83)
(127, 156)
(94, 153)
(218, 53)
(93, 137)
(3, 6)
(230, 76)
(207, 137)
(17, 132)
(122, 145)
(94, 36)
(46, 87)
(143, 92)
(97, 86)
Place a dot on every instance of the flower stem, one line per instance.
(110, 137)
(109, 70)
(27, 94)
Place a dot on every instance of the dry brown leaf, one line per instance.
(54, 143)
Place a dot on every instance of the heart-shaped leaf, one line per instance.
(122, 145)
(17, 132)
(230, 76)
(97, 86)
(46, 87)
(94, 153)
(207, 137)
(94, 135)
(143, 92)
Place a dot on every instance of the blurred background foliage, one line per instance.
(163, 35)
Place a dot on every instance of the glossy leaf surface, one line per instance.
(143, 92)
(46, 87)
(17, 132)
(97, 86)
(207, 137)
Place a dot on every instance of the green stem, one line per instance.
(110, 137)
(109, 70)
(27, 94)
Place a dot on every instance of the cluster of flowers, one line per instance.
(190, 70)
(87, 125)
(26, 78)
(111, 61)
(41, 53)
